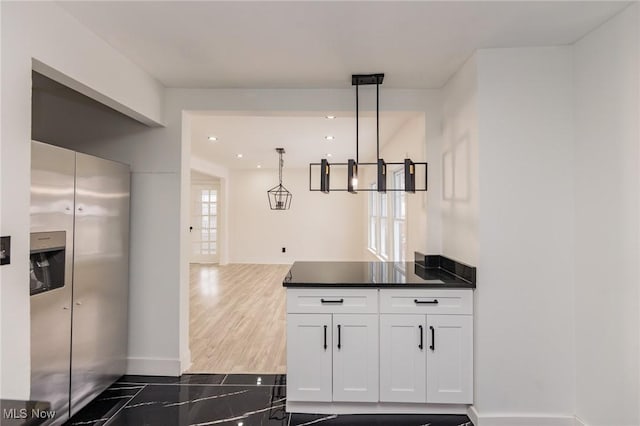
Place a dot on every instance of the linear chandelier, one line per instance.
(381, 165)
(279, 196)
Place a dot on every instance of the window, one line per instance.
(399, 217)
(373, 219)
(383, 250)
(387, 237)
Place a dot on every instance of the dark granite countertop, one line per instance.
(375, 275)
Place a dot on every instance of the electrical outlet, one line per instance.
(284, 249)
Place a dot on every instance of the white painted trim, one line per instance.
(472, 413)
(373, 408)
(185, 361)
(154, 366)
(520, 420)
(579, 422)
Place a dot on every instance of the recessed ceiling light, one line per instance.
(330, 117)
(259, 166)
(212, 138)
(329, 155)
(239, 155)
(329, 137)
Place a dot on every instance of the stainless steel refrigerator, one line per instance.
(79, 269)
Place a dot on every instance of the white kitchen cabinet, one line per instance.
(355, 357)
(309, 357)
(450, 359)
(441, 372)
(403, 358)
(388, 351)
(346, 369)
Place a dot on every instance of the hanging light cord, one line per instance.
(280, 168)
(377, 120)
(357, 125)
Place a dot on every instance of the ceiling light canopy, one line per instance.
(279, 196)
(408, 166)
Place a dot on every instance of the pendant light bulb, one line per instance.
(352, 176)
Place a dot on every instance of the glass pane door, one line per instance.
(204, 224)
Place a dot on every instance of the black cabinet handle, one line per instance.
(331, 301)
(433, 339)
(339, 337)
(421, 345)
(325, 337)
(426, 302)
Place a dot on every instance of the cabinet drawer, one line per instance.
(323, 300)
(426, 301)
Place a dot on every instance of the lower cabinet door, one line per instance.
(403, 358)
(309, 357)
(355, 357)
(450, 359)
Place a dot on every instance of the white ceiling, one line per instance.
(318, 44)
(313, 44)
(302, 136)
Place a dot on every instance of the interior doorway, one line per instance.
(204, 229)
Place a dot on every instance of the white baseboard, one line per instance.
(579, 422)
(154, 367)
(473, 415)
(480, 419)
(372, 408)
(185, 362)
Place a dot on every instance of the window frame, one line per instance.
(387, 221)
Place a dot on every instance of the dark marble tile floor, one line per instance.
(219, 399)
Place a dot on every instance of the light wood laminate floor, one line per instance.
(237, 318)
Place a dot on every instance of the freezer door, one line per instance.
(101, 276)
(52, 204)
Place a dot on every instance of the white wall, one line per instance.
(63, 49)
(607, 215)
(317, 226)
(459, 162)
(524, 350)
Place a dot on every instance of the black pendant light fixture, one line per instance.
(380, 164)
(279, 196)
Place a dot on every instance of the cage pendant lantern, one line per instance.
(279, 196)
(383, 168)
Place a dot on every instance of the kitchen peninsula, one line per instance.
(380, 337)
